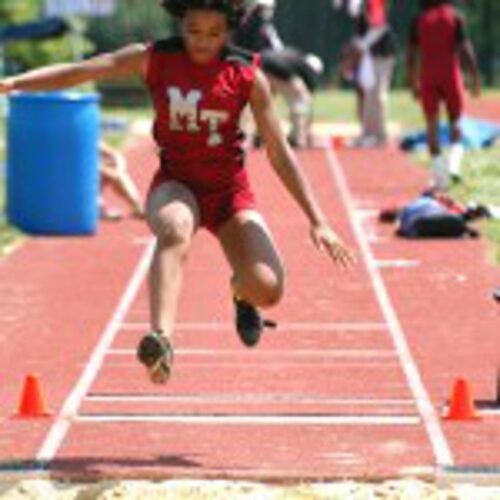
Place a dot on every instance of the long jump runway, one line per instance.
(348, 386)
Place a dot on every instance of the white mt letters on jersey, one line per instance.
(187, 108)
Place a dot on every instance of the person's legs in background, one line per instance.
(375, 102)
(441, 175)
(299, 101)
(456, 153)
(114, 173)
(123, 185)
(384, 69)
(430, 96)
(454, 99)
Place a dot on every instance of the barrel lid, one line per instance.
(60, 96)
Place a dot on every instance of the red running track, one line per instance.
(352, 384)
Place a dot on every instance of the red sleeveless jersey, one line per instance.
(438, 32)
(198, 110)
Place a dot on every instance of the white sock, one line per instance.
(455, 158)
(440, 173)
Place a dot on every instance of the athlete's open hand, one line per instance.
(325, 239)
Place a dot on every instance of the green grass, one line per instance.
(340, 106)
(482, 184)
(115, 139)
(9, 236)
(129, 115)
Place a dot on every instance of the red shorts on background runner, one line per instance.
(216, 206)
(443, 89)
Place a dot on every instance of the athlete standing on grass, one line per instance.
(438, 35)
(199, 87)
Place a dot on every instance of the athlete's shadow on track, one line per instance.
(488, 404)
(96, 468)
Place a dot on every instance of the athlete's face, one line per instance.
(205, 34)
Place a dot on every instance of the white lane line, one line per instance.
(294, 326)
(59, 429)
(143, 241)
(374, 237)
(489, 412)
(396, 263)
(366, 213)
(309, 366)
(190, 419)
(304, 353)
(244, 398)
(442, 452)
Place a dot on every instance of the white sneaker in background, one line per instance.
(441, 175)
(455, 158)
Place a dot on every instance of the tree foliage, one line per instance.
(27, 54)
(134, 21)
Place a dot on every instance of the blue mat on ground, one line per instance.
(476, 134)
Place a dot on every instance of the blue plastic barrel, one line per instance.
(53, 163)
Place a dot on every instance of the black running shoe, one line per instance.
(249, 323)
(496, 295)
(155, 352)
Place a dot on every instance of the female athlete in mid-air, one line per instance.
(199, 86)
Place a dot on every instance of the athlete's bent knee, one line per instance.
(272, 297)
(173, 231)
(271, 292)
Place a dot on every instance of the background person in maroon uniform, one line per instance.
(438, 36)
(199, 87)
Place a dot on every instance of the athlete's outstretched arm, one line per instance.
(468, 56)
(286, 165)
(131, 60)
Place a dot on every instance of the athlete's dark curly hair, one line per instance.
(233, 9)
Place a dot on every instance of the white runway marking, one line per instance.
(310, 366)
(396, 263)
(293, 353)
(306, 399)
(374, 237)
(143, 241)
(366, 213)
(62, 423)
(431, 421)
(489, 412)
(315, 420)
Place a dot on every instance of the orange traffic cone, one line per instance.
(338, 142)
(32, 404)
(461, 403)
